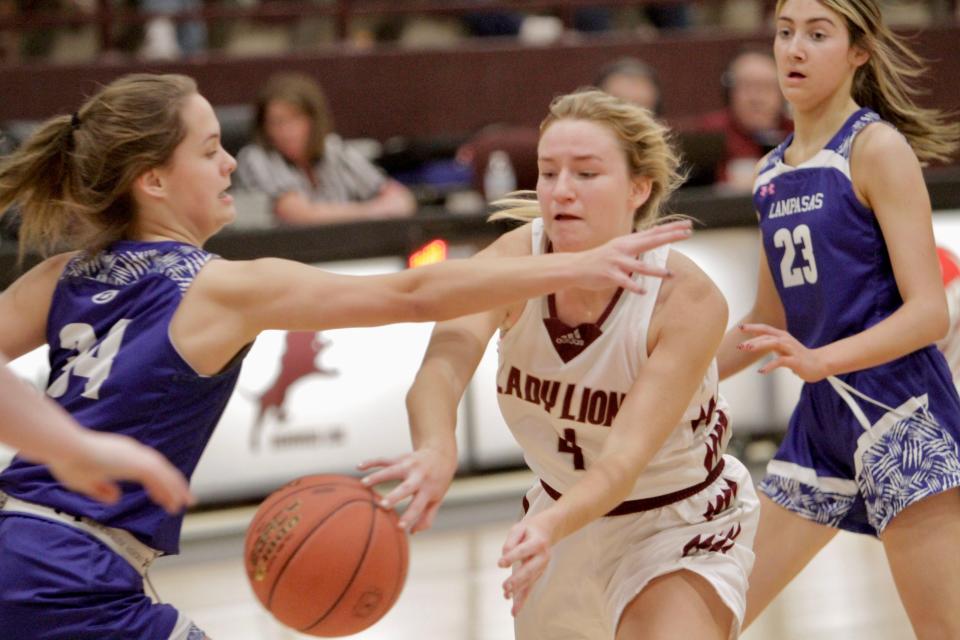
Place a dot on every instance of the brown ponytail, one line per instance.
(71, 179)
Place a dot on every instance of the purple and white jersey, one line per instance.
(559, 389)
(864, 445)
(825, 249)
(114, 368)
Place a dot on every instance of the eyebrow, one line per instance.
(212, 136)
(588, 156)
(810, 21)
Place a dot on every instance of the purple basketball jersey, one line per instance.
(114, 369)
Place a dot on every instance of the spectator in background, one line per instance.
(585, 19)
(633, 80)
(754, 119)
(629, 79)
(308, 172)
(167, 39)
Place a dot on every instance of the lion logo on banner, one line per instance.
(300, 359)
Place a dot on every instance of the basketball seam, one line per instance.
(301, 489)
(402, 576)
(356, 570)
(295, 550)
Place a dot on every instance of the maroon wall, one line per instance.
(418, 93)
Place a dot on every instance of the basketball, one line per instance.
(323, 558)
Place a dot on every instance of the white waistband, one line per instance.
(123, 543)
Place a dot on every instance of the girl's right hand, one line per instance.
(616, 260)
(425, 474)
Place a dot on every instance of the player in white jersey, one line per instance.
(613, 398)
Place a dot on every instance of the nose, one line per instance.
(795, 48)
(231, 163)
(563, 187)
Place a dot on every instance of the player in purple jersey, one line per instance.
(147, 331)
(83, 460)
(850, 299)
(638, 525)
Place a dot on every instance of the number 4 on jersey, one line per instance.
(93, 361)
(568, 444)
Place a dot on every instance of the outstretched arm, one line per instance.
(230, 303)
(84, 461)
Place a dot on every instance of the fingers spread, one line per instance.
(762, 329)
(394, 472)
(413, 511)
(764, 343)
(376, 462)
(774, 364)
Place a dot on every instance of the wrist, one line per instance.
(571, 270)
(550, 522)
(71, 444)
(826, 361)
(446, 447)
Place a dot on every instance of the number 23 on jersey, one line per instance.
(793, 242)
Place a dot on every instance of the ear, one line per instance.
(640, 189)
(151, 184)
(858, 56)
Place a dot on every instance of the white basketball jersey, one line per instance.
(560, 412)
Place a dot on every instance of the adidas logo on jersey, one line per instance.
(571, 338)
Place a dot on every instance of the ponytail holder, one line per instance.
(74, 120)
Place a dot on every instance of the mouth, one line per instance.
(566, 217)
(795, 75)
(225, 197)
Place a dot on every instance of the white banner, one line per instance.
(322, 402)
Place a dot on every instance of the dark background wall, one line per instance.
(384, 93)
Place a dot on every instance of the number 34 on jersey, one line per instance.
(93, 361)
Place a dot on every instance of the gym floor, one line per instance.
(453, 588)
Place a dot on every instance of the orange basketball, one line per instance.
(323, 558)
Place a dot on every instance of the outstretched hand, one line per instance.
(791, 353)
(527, 551)
(616, 260)
(424, 474)
(103, 458)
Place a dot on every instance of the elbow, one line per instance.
(421, 305)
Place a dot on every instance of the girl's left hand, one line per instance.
(806, 363)
(527, 550)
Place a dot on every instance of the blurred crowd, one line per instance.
(172, 29)
(294, 169)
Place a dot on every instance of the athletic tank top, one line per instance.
(114, 368)
(825, 249)
(559, 390)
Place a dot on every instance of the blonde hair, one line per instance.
(72, 178)
(886, 83)
(645, 142)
